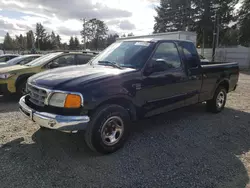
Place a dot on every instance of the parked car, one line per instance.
(129, 80)
(7, 57)
(21, 60)
(203, 60)
(13, 79)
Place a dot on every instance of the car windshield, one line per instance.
(130, 54)
(41, 60)
(15, 60)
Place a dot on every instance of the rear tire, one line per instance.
(108, 130)
(217, 104)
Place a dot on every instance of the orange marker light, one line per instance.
(73, 101)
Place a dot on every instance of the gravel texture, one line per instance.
(185, 148)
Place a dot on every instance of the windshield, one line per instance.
(15, 60)
(131, 54)
(41, 60)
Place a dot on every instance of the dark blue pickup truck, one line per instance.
(130, 79)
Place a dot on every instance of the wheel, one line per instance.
(21, 89)
(218, 102)
(108, 130)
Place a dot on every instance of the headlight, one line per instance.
(64, 100)
(6, 75)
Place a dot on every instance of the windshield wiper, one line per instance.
(113, 64)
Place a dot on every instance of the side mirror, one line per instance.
(158, 65)
(53, 65)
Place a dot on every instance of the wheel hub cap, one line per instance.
(220, 99)
(112, 130)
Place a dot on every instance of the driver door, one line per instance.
(163, 88)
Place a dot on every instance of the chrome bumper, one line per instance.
(53, 121)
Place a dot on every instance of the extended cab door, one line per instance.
(164, 80)
(192, 64)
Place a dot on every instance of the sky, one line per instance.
(64, 16)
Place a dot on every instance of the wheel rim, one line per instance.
(220, 99)
(112, 130)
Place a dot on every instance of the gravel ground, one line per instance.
(184, 148)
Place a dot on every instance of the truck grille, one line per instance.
(37, 95)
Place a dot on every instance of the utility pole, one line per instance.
(214, 38)
(84, 30)
(218, 32)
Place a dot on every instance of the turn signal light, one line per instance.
(73, 101)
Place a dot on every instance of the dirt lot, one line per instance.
(184, 148)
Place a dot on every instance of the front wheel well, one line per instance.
(125, 103)
(21, 80)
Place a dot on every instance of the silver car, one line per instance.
(21, 60)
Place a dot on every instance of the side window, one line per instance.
(191, 56)
(26, 60)
(83, 59)
(166, 57)
(10, 57)
(63, 61)
(2, 59)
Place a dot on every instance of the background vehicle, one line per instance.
(7, 57)
(21, 60)
(129, 80)
(13, 79)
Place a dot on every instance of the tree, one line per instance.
(111, 39)
(76, 43)
(20, 43)
(95, 30)
(194, 15)
(174, 15)
(8, 42)
(58, 41)
(130, 34)
(30, 39)
(41, 36)
(71, 43)
(244, 23)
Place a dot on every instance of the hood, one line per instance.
(73, 76)
(13, 68)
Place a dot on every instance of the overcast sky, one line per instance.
(63, 16)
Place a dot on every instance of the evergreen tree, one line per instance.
(71, 43)
(30, 39)
(76, 43)
(244, 23)
(194, 15)
(8, 42)
(41, 36)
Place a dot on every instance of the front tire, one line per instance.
(217, 104)
(108, 130)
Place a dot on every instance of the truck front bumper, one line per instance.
(53, 121)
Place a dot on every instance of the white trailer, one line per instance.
(182, 35)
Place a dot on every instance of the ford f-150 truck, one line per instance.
(130, 79)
